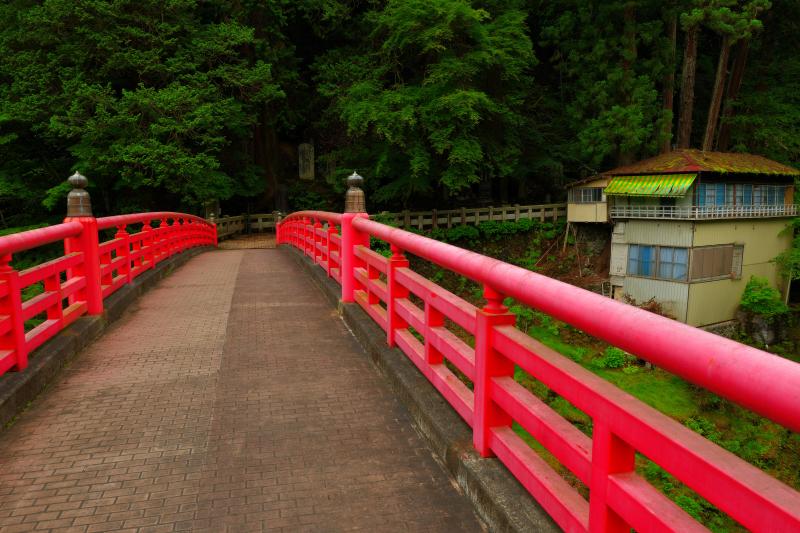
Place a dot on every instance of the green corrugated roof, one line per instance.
(664, 185)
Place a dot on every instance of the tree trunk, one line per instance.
(735, 84)
(687, 87)
(626, 157)
(669, 86)
(716, 96)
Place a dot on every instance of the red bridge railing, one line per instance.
(620, 499)
(77, 282)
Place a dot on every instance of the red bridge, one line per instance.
(233, 397)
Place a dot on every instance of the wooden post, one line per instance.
(489, 363)
(610, 455)
(406, 219)
(463, 216)
(434, 219)
(516, 212)
(11, 306)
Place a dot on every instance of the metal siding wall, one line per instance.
(762, 239)
(594, 212)
(672, 296)
(660, 232)
(619, 259)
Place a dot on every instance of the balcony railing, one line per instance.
(702, 212)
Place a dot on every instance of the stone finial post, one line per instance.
(79, 204)
(354, 200)
(79, 209)
(354, 207)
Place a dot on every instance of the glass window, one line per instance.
(633, 259)
(681, 264)
(720, 194)
(758, 191)
(744, 194)
(586, 195)
(701, 194)
(729, 194)
(747, 195)
(673, 263)
(642, 260)
(663, 262)
(711, 195)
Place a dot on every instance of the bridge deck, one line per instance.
(230, 398)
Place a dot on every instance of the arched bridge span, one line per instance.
(235, 399)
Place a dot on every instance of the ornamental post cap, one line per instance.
(355, 180)
(354, 200)
(79, 204)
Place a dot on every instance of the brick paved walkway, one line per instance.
(230, 398)
(249, 242)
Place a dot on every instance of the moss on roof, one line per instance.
(689, 160)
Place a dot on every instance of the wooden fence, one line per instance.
(448, 218)
(421, 220)
(229, 226)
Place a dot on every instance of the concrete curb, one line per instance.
(499, 499)
(18, 389)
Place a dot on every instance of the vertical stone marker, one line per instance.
(305, 161)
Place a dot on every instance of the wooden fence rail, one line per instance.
(421, 220)
(448, 218)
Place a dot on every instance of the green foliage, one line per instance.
(434, 94)
(138, 95)
(612, 357)
(303, 199)
(612, 57)
(760, 298)
(789, 261)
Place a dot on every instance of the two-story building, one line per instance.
(689, 228)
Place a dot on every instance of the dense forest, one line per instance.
(170, 104)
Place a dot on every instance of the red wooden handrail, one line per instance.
(87, 273)
(26, 240)
(622, 425)
(140, 218)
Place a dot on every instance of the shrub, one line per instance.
(761, 299)
(612, 358)
(464, 233)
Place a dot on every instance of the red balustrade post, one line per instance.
(106, 279)
(148, 245)
(433, 319)
(489, 364)
(306, 222)
(161, 236)
(124, 250)
(11, 306)
(354, 206)
(178, 229)
(317, 241)
(187, 240)
(395, 290)
(277, 233)
(610, 455)
(55, 311)
(351, 238)
(331, 246)
(79, 209)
